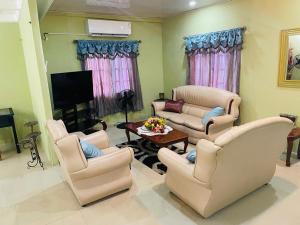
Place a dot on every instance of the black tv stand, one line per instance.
(80, 119)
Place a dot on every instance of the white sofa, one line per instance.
(198, 101)
(235, 164)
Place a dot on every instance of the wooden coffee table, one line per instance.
(175, 136)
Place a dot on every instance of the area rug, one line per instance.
(146, 152)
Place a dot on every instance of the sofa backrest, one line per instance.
(246, 158)
(208, 98)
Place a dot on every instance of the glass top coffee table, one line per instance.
(175, 136)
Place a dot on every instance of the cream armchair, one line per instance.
(235, 164)
(95, 178)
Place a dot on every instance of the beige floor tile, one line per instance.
(101, 213)
(73, 219)
(55, 203)
(8, 216)
(37, 197)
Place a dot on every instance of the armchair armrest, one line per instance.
(206, 162)
(219, 124)
(105, 164)
(99, 139)
(158, 106)
(102, 122)
(176, 162)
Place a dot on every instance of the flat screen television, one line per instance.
(69, 89)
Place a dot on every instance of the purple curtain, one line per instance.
(216, 69)
(111, 76)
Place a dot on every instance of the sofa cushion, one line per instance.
(218, 111)
(174, 106)
(195, 110)
(177, 118)
(164, 114)
(183, 119)
(193, 122)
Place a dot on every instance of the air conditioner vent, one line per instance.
(109, 28)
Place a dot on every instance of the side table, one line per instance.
(7, 120)
(293, 135)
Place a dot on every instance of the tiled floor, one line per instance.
(39, 197)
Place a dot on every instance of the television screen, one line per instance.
(71, 88)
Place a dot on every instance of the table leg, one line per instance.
(289, 152)
(186, 142)
(128, 135)
(15, 136)
(298, 153)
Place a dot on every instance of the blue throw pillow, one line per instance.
(218, 111)
(90, 150)
(191, 156)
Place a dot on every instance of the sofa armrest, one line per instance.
(105, 164)
(219, 124)
(158, 106)
(99, 139)
(176, 163)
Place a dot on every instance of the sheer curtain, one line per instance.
(214, 59)
(111, 76)
(219, 70)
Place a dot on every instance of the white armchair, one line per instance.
(96, 178)
(235, 164)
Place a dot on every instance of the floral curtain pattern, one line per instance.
(214, 42)
(214, 59)
(107, 48)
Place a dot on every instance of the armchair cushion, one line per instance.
(218, 111)
(90, 150)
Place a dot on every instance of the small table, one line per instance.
(293, 135)
(175, 136)
(7, 120)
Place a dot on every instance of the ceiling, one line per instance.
(134, 8)
(10, 10)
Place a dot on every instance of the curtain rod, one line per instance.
(71, 34)
(244, 28)
(76, 41)
(45, 38)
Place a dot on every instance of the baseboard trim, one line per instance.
(7, 147)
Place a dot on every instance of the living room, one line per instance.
(49, 38)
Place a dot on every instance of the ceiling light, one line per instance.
(121, 4)
(192, 3)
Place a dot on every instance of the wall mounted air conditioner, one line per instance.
(108, 28)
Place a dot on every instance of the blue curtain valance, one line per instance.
(216, 41)
(107, 48)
